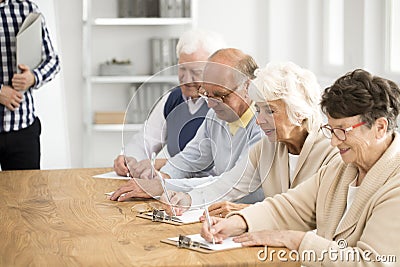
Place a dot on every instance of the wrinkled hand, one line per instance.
(141, 169)
(120, 165)
(221, 209)
(10, 98)
(274, 238)
(130, 190)
(223, 228)
(24, 80)
(180, 202)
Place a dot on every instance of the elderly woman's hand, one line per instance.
(275, 238)
(223, 228)
(178, 201)
(221, 209)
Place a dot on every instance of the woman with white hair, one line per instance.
(287, 102)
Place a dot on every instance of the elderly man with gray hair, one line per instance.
(180, 109)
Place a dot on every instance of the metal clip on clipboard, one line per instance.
(161, 215)
(187, 242)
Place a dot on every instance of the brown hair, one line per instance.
(360, 93)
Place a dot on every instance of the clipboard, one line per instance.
(197, 243)
(189, 217)
(29, 42)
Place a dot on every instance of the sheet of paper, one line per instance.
(29, 41)
(111, 175)
(226, 244)
(191, 216)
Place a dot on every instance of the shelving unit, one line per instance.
(105, 36)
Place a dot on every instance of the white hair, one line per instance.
(296, 86)
(193, 40)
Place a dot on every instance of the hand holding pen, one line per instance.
(208, 221)
(154, 171)
(121, 164)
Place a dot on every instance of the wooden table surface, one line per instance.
(63, 218)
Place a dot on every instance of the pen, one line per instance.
(153, 170)
(126, 163)
(208, 220)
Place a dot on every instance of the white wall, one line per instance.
(243, 23)
(50, 105)
(70, 36)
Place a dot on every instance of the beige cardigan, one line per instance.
(372, 223)
(267, 165)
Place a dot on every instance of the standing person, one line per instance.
(175, 119)
(19, 126)
(353, 203)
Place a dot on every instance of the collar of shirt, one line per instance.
(194, 106)
(4, 3)
(243, 121)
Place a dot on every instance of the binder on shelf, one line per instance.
(177, 9)
(167, 8)
(156, 55)
(29, 42)
(138, 8)
(186, 9)
(165, 56)
(152, 8)
(173, 57)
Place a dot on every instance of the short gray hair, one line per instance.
(195, 39)
(296, 86)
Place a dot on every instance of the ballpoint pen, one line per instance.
(208, 220)
(128, 174)
(153, 170)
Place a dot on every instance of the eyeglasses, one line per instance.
(217, 99)
(340, 134)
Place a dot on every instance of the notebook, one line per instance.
(206, 247)
(29, 41)
(188, 217)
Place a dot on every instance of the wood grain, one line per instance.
(63, 218)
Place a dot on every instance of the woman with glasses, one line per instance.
(353, 203)
(287, 101)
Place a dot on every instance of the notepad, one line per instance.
(188, 217)
(111, 175)
(225, 245)
(29, 41)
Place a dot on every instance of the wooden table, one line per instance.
(63, 218)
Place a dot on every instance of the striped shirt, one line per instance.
(12, 15)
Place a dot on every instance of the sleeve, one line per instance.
(187, 184)
(152, 137)
(232, 185)
(294, 210)
(378, 244)
(50, 64)
(195, 157)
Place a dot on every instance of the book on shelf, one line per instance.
(138, 8)
(163, 54)
(186, 9)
